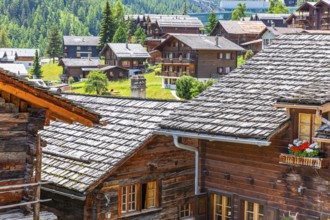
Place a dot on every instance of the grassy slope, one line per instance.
(51, 71)
(154, 87)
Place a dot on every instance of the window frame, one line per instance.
(256, 210)
(226, 57)
(227, 70)
(128, 202)
(224, 199)
(312, 125)
(185, 210)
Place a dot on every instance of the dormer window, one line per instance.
(307, 126)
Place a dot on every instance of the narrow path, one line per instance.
(174, 94)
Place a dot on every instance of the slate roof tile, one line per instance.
(77, 156)
(241, 104)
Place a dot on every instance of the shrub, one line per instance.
(71, 80)
(188, 87)
(96, 82)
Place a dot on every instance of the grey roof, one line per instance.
(190, 22)
(243, 27)
(20, 52)
(203, 42)
(156, 17)
(80, 40)
(241, 104)
(263, 16)
(124, 50)
(77, 156)
(323, 132)
(77, 62)
(111, 67)
(18, 69)
(284, 30)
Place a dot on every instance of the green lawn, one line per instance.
(154, 87)
(51, 71)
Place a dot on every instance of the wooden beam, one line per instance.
(29, 97)
(323, 140)
(109, 187)
(36, 208)
(297, 106)
(326, 108)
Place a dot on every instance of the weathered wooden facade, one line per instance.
(24, 110)
(239, 31)
(77, 68)
(80, 46)
(243, 169)
(203, 57)
(119, 171)
(129, 56)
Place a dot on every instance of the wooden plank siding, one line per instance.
(255, 175)
(160, 161)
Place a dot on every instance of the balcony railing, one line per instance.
(174, 74)
(174, 60)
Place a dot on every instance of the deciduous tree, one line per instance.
(96, 82)
(239, 12)
(277, 7)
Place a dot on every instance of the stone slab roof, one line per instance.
(20, 52)
(264, 16)
(80, 40)
(76, 156)
(243, 27)
(123, 50)
(18, 69)
(283, 30)
(203, 42)
(190, 22)
(79, 62)
(241, 104)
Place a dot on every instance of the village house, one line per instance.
(270, 33)
(115, 72)
(199, 56)
(238, 31)
(311, 16)
(117, 171)
(244, 124)
(80, 46)
(125, 55)
(277, 20)
(24, 110)
(77, 68)
(18, 69)
(18, 56)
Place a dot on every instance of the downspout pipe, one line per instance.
(195, 150)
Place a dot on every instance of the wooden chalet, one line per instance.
(277, 20)
(129, 56)
(311, 16)
(24, 110)
(243, 126)
(77, 68)
(81, 46)
(238, 31)
(18, 56)
(118, 171)
(200, 56)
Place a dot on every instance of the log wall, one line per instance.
(256, 175)
(18, 130)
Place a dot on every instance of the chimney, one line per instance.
(217, 40)
(127, 44)
(138, 86)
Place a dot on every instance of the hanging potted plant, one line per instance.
(301, 153)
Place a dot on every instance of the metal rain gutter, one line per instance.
(81, 198)
(193, 149)
(251, 141)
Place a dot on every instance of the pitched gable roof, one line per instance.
(189, 22)
(241, 104)
(80, 40)
(78, 62)
(58, 108)
(281, 30)
(76, 157)
(19, 52)
(203, 42)
(242, 27)
(123, 50)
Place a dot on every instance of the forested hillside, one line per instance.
(26, 22)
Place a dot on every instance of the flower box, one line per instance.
(313, 162)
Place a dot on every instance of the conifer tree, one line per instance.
(4, 40)
(212, 21)
(36, 70)
(119, 13)
(54, 46)
(185, 11)
(107, 27)
(120, 35)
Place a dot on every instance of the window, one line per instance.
(89, 48)
(220, 69)
(253, 211)
(135, 63)
(222, 207)
(220, 55)
(111, 74)
(149, 191)
(78, 48)
(308, 125)
(121, 74)
(126, 63)
(228, 56)
(128, 198)
(78, 55)
(185, 211)
(227, 70)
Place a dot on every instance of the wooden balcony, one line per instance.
(174, 74)
(312, 162)
(184, 61)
